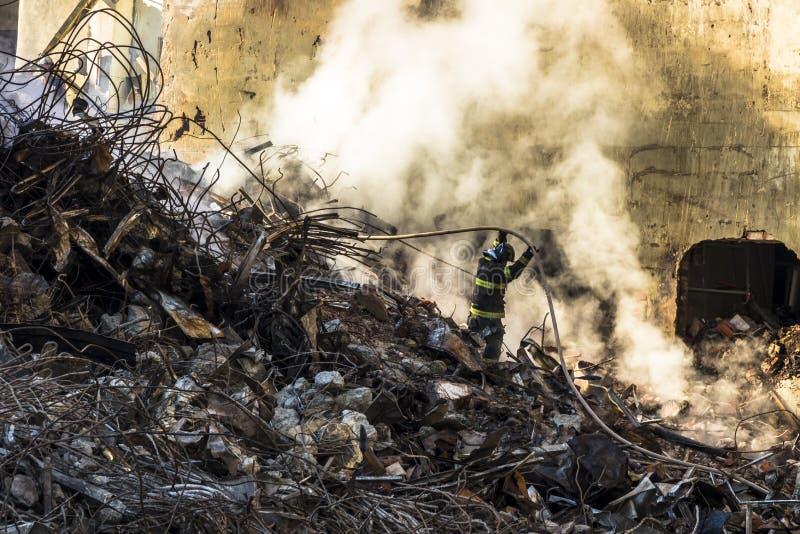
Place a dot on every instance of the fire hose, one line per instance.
(537, 265)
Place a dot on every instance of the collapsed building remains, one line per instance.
(172, 360)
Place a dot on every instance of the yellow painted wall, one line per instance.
(723, 155)
(220, 56)
(38, 22)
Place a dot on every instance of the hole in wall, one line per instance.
(756, 276)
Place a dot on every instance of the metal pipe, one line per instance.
(748, 519)
(719, 291)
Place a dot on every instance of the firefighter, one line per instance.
(488, 300)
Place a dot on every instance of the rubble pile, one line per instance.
(757, 357)
(174, 361)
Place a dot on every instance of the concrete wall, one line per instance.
(723, 155)
(221, 56)
(39, 20)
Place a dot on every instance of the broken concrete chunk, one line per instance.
(329, 379)
(357, 399)
(370, 300)
(422, 367)
(449, 391)
(109, 324)
(210, 356)
(294, 395)
(443, 339)
(288, 397)
(144, 259)
(355, 420)
(568, 421)
(311, 425)
(138, 320)
(334, 432)
(340, 437)
(319, 403)
(24, 490)
(739, 323)
(284, 419)
(365, 355)
(301, 384)
(395, 470)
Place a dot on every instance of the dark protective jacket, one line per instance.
(488, 300)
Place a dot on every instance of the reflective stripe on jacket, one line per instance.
(488, 299)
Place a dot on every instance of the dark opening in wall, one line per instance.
(757, 277)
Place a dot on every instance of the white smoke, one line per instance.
(501, 113)
(25, 96)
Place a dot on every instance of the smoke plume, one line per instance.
(504, 113)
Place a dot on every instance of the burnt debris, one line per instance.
(171, 360)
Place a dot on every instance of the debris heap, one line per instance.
(174, 361)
